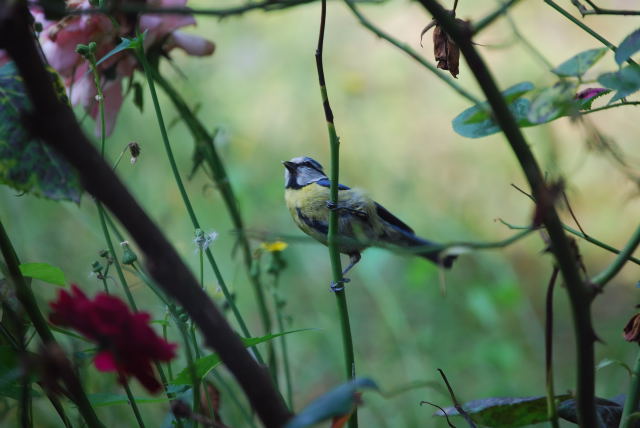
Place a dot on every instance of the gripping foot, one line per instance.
(338, 286)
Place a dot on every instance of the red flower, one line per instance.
(127, 344)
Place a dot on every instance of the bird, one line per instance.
(362, 222)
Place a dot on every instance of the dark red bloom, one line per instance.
(127, 343)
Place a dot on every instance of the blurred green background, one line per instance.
(394, 120)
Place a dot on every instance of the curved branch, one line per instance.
(55, 123)
(565, 256)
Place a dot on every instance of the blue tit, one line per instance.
(362, 222)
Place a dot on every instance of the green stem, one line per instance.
(620, 104)
(488, 20)
(25, 296)
(277, 304)
(579, 294)
(631, 402)
(133, 404)
(185, 197)
(586, 28)
(206, 148)
(334, 255)
(575, 232)
(612, 270)
(412, 53)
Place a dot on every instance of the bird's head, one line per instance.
(301, 171)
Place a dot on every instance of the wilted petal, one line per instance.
(632, 329)
(82, 89)
(192, 44)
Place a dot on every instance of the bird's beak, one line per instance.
(289, 165)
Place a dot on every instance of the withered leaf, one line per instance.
(445, 50)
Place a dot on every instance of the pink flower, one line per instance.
(59, 40)
(127, 344)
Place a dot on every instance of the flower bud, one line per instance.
(128, 256)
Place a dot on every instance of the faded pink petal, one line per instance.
(62, 57)
(193, 45)
(83, 89)
(104, 362)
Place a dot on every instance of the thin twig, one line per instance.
(488, 20)
(456, 403)
(566, 201)
(442, 410)
(612, 270)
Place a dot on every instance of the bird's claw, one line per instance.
(332, 205)
(339, 285)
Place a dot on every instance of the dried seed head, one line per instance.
(134, 149)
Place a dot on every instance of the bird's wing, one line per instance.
(325, 182)
(391, 219)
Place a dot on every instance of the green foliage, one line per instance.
(122, 46)
(477, 121)
(554, 102)
(44, 272)
(207, 363)
(26, 164)
(337, 402)
(629, 46)
(504, 412)
(578, 64)
(625, 81)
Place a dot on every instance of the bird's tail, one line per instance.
(431, 254)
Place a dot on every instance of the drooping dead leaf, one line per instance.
(445, 50)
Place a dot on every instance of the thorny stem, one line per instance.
(412, 53)
(25, 296)
(560, 246)
(185, 197)
(334, 255)
(620, 104)
(552, 413)
(631, 402)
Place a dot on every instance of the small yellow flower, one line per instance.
(274, 247)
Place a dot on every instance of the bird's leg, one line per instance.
(337, 207)
(354, 258)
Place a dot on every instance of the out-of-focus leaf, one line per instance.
(504, 412)
(609, 362)
(44, 272)
(26, 163)
(207, 363)
(629, 46)
(578, 64)
(10, 373)
(106, 399)
(335, 403)
(587, 96)
(477, 121)
(138, 95)
(609, 412)
(551, 103)
(625, 81)
(122, 46)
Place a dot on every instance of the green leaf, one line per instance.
(44, 272)
(629, 46)
(504, 412)
(477, 121)
(551, 103)
(587, 96)
(608, 412)
(207, 363)
(625, 81)
(106, 399)
(26, 163)
(337, 402)
(578, 64)
(609, 362)
(122, 46)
